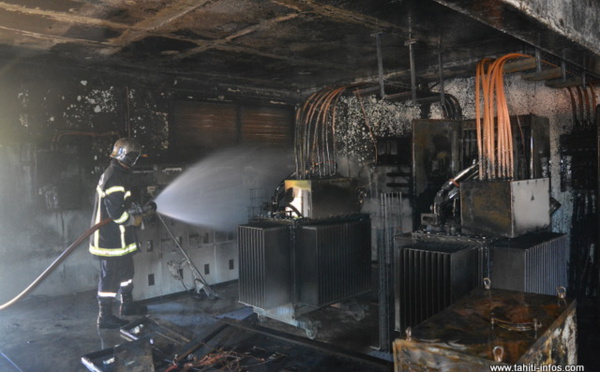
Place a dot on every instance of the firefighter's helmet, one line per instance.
(127, 151)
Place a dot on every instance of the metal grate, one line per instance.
(258, 198)
(535, 263)
(264, 277)
(390, 214)
(333, 261)
(430, 276)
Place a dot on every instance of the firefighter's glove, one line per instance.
(135, 220)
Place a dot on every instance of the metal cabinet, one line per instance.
(492, 326)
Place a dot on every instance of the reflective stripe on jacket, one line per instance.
(113, 196)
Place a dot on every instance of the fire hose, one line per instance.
(148, 208)
(56, 262)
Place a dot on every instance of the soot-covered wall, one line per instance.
(57, 128)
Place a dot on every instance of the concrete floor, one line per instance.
(52, 334)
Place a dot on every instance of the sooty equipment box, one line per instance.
(492, 327)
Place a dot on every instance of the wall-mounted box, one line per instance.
(505, 208)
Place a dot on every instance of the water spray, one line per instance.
(213, 193)
(199, 281)
(216, 192)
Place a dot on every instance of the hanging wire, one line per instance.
(315, 134)
(493, 128)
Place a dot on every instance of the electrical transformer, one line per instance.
(297, 264)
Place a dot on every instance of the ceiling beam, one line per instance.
(206, 45)
(575, 20)
(163, 18)
(50, 39)
(565, 30)
(341, 15)
(64, 17)
(224, 44)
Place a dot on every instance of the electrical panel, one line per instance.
(162, 269)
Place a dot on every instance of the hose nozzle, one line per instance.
(146, 210)
(150, 207)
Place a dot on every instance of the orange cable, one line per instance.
(494, 137)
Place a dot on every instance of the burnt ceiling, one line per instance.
(283, 45)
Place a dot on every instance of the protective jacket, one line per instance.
(113, 199)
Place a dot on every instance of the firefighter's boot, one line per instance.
(131, 308)
(106, 319)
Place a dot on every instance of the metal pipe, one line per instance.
(413, 72)
(596, 123)
(385, 249)
(442, 94)
(380, 65)
(450, 189)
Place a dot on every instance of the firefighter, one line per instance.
(115, 242)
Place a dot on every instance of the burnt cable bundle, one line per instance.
(314, 146)
(494, 137)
